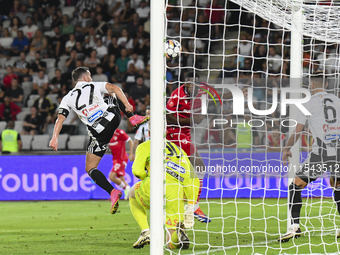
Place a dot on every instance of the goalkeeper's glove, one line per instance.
(189, 216)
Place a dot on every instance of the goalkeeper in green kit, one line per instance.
(179, 184)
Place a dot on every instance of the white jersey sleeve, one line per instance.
(143, 132)
(324, 122)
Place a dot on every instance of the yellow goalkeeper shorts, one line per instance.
(174, 207)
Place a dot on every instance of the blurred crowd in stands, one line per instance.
(42, 41)
(256, 53)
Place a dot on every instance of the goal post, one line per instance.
(157, 122)
(267, 47)
(296, 74)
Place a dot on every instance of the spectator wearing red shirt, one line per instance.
(8, 110)
(275, 140)
(8, 77)
(216, 17)
(120, 159)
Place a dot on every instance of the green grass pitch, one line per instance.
(87, 227)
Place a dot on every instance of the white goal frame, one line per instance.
(157, 125)
(157, 66)
(296, 73)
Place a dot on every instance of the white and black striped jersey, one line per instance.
(87, 101)
(324, 122)
(143, 132)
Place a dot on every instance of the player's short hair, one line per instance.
(318, 80)
(78, 72)
(191, 75)
(10, 124)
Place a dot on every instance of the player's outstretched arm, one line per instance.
(131, 154)
(142, 156)
(291, 141)
(111, 88)
(134, 147)
(57, 127)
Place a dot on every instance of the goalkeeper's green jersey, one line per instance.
(178, 169)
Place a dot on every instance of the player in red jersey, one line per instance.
(120, 159)
(179, 109)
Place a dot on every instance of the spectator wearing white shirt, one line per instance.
(91, 38)
(143, 11)
(274, 61)
(85, 4)
(30, 29)
(245, 46)
(100, 76)
(327, 60)
(40, 80)
(138, 63)
(5, 43)
(125, 41)
(115, 6)
(70, 43)
(101, 49)
(23, 14)
(83, 24)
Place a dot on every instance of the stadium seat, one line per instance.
(12, 60)
(2, 62)
(26, 142)
(18, 125)
(119, 85)
(51, 73)
(49, 129)
(30, 58)
(68, 10)
(31, 100)
(123, 124)
(82, 130)
(50, 63)
(147, 83)
(3, 125)
(21, 115)
(27, 87)
(6, 23)
(62, 62)
(53, 98)
(3, 72)
(40, 142)
(76, 142)
(62, 141)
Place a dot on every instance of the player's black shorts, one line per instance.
(316, 165)
(99, 141)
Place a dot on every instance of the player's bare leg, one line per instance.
(127, 188)
(134, 119)
(120, 181)
(198, 161)
(139, 214)
(99, 178)
(295, 204)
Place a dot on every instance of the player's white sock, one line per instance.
(122, 185)
(196, 206)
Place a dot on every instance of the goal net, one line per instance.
(245, 46)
